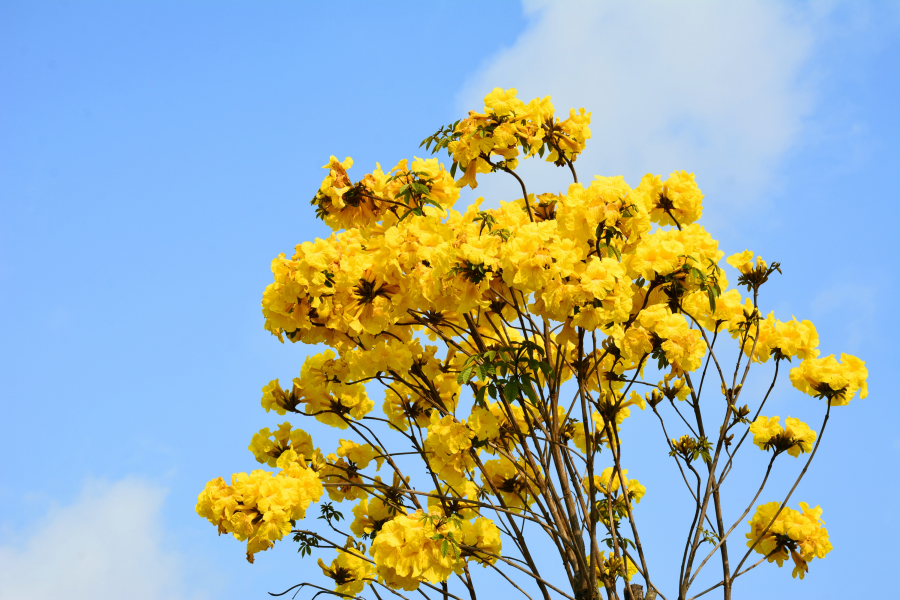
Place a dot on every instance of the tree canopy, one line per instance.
(509, 346)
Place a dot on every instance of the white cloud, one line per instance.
(106, 545)
(710, 87)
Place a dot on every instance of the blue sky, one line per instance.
(154, 157)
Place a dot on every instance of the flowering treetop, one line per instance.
(509, 345)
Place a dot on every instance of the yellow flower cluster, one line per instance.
(743, 262)
(675, 201)
(600, 426)
(342, 204)
(259, 508)
(403, 403)
(609, 484)
(798, 534)
(359, 455)
(369, 515)
(425, 546)
(450, 500)
(827, 378)
(447, 448)
(508, 125)
(267, 447)
(500, 425)
(795, 437)
(320, 391)
(512, 482)
(609, 568)
(579, 267)
(340, 472)
(771, 337)
(350, 571)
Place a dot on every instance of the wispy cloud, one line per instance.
(711, 87)
(108, 544)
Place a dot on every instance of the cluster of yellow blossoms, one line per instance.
(414, 547)
(588, 285)
(795, 437)
(609, 484)
(608, 568)
(795, 534)
(261, 508)
(828, 378)
(508, 126)
(351, 570)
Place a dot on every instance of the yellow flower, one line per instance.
(656, 254)
(764, 429)
(684, 347)
(743, 262)
(350, 571)
(608, 483)
(454, 500)
(513, 482)
(796, 339)
(484, 423)
(795, 534)
(268, 447)
(369, 516)
(600, 276)
(609, 567)
(802, 436)
(482, 539)
(828, 378)
(570, 136)
(448, 449)
(794, 438)
(729, 307)
(257, 507)
(502, 102)
(676, 201)
(406, 553)
(360, 455)
(342, 480)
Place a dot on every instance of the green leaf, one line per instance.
(406, 214)
(535, 347)
(464, 375)
(510, 390)
(546, 369)
(529, 391)
(479, 396)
